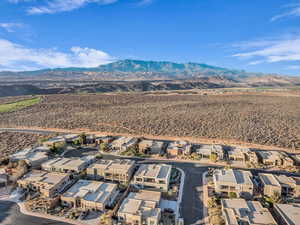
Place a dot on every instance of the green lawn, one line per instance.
(10, 107)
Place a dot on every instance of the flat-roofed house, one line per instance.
(67, 165)
(120, 170)
(288, 214)
(99, 139)
(122, 144)
(205, 151)
(282, 184)
(297, 188)
(288, 186)
(242, 154)
(61, 140)
(70, 138)
(153, 176)
(269, 184)
(151, 147)
(141, 208)
(275, 158)
(296, 158)
(240, 211)
(90, 195)
(54, 141)
(34, 157)
(179, 148)
(236, 181)
(48, 184)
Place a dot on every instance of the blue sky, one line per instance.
(256, 35)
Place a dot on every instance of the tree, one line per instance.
(82, 138)
(232, 195)
(212, 203)
(275, 198)
(213, 157)
(77, 142)
(42, 140)
(106, 219)
(103, 147)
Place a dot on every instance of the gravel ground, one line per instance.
(11, 142)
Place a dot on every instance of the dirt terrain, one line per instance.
(11, 142)
(249, 117)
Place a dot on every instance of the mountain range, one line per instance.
(134, 69)
(135, 75)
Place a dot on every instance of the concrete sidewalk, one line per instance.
(23, 210)
(179, 200)
(47, 216)
(205, 199)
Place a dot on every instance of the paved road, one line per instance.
(28, 131)
(192, 204)
(10, 215)
(192, 200)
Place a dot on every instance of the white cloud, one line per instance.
(17, 57)
(55, 6)
(273, 51)
(10, 27)
(294, 11)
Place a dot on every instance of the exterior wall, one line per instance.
(244, 191)
(237, 157)
(38, 186)
(269, 190)
(98, 174)
(137, 219)
(153, 220)
(161, 184)
(297, 191)
(143, 146)
(85, 205)
(174, 152)
(280, 217)
(130, 218)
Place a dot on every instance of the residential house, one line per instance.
(233, 181)
(205, 151)
(296, 158)
(179, 148)
(284, 185)
(242, 154)
(275, 158)
(67, 165)
(90, 195)
(120, 170)
(61, 140)
(48, 184)
(141, 208)
(155, 176)
(103, 139)
(122, 144)
(34, 157)
(151, 147)
(288, 214)
(240, 211)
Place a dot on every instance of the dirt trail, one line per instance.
(202, 140)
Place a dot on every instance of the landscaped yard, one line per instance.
(14, 106)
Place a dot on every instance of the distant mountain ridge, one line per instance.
(135, 76)
(128, 69)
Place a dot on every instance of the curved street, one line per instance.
(11, 215)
